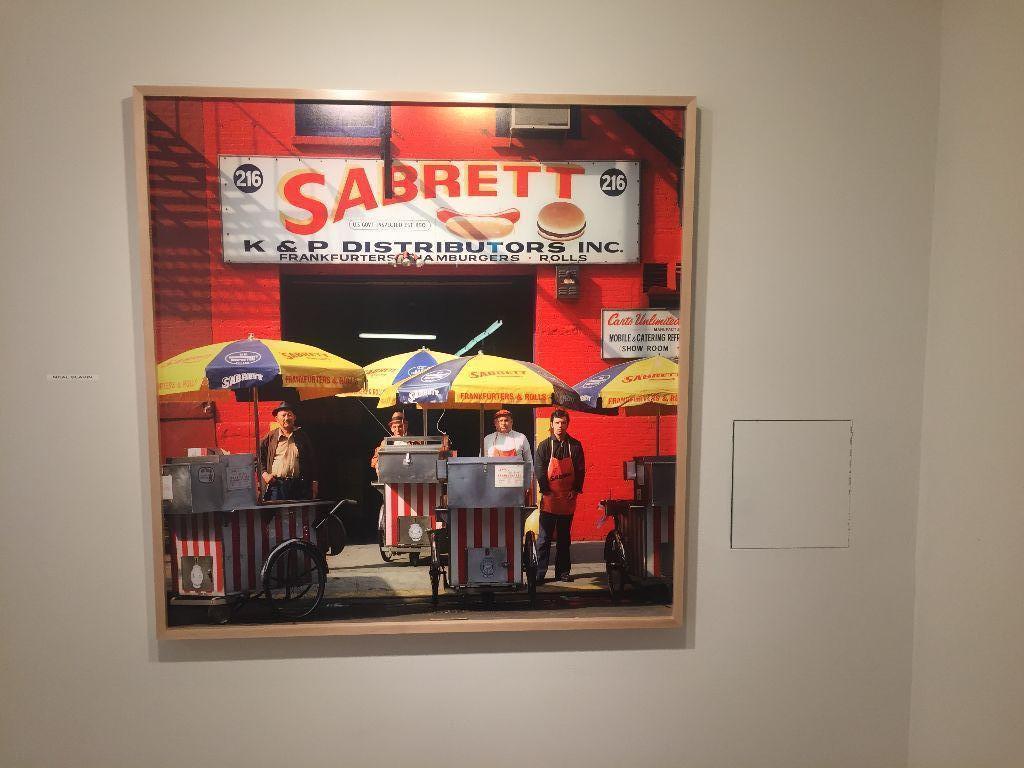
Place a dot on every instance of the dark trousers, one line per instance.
(288, 489)
(558, 525)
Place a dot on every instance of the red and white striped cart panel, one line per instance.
(495, 528)
(229, 548)
(408, 500)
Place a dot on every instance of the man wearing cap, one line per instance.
(399, 428)
(560, 471)
(505, 441)
(287, 460)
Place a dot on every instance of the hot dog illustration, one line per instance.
(479, 226)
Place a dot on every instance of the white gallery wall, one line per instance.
(817, 164)
(968, 691)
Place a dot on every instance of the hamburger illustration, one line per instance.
(561, 221)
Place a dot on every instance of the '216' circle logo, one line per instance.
(248, 178)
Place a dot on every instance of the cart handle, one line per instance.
(344, 502)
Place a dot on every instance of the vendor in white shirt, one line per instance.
(505, 441)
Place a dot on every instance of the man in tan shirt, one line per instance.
(287, 460)
(399, 428)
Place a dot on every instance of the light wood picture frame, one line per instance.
(191, 296)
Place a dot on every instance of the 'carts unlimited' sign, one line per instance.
(301, 210)
(627, 333)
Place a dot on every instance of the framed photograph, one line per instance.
(415, 362)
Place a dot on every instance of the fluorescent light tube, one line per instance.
(420, 336)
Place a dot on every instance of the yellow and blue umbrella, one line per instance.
(227, 367)
(391, 370)
(635, 383)
(482, 381)
(637, 387)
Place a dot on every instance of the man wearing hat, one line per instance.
(287, 460)
(399, 428)
(505, 441)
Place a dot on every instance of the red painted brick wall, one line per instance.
(199, 299)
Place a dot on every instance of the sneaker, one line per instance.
(565, 577)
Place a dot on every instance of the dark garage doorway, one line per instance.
(331, 313)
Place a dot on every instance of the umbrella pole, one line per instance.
(256, 439)
(425, 425)
(657, 432)
(481, 429)
(256, 421)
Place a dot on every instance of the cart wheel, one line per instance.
(294, 578)
(220, 614)
(337, 536)
(331, 535)
(435, 571)
(385, 553)
(530, 565)
(615, 565)
(443, 546)
(435, 552)
(414, 558)
(435, 584)
(663, 591)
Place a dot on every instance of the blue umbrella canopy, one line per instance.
(390, 370)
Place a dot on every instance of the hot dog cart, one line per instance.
(480, 547)
(225, 546)
(407, 471)
(639, 549)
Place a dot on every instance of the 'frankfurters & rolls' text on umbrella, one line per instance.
(482, 381)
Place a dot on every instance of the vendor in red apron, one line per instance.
(560, 471)
(505, 441)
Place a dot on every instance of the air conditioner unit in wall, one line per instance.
(540, 119)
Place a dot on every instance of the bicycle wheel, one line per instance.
(435, 571)
(615, 565)
(294, 579)
(385, 553)
(530, 565)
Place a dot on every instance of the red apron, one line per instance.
(561, 478)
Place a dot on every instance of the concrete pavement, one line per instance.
(359, 571)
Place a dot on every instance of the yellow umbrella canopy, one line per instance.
(480, 381)
(382, 373)
(635, 384)
(225, 367)
(222, 369)
(646, 387)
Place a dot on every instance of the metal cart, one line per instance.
(226, 547)
(480, 547)
(407, 470)
(639, 549)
